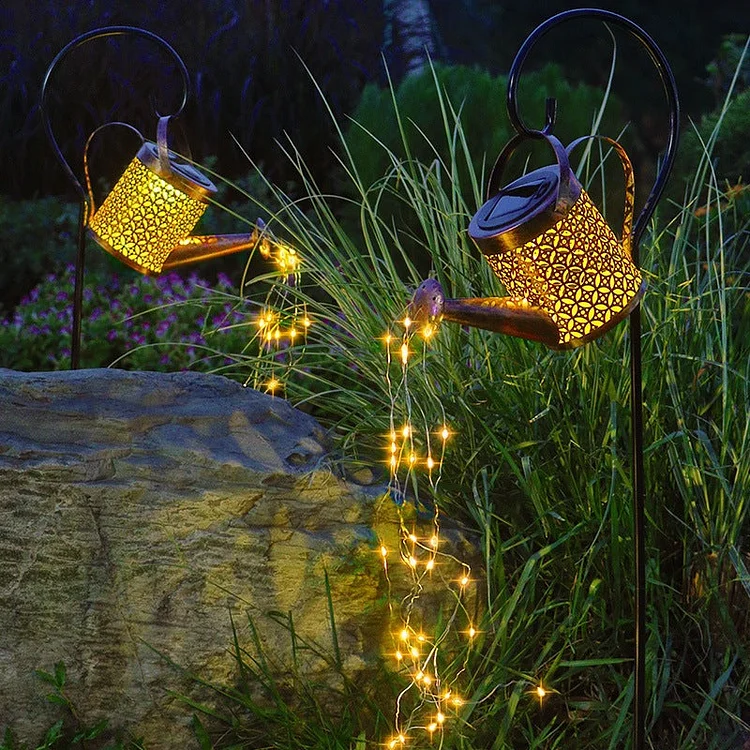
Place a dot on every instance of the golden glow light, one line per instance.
(144, 218)
(577, 272)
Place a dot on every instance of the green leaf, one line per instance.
(60, 674)
(201, 734)
(91, 732)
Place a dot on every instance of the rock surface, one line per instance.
(136, 511)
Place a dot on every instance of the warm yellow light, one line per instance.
(404, 353)
(404, 635)
(434, 541)
(383, 551)
(445, 433)
(406, 431)
(306, 322)
(457, 701)
(464, 581)
(387, 338)
(577, 271)
(440, 718)
(272, 385)
(428, 331)
(412, 537)
(430, 462)
(144, 218)
(427, 680)
(472, 632)
(393, 462)
(541, 692)
(407, 322)
(421, 638)
(414, 652)
(413, 561)
(430, 564)
(292, 333)
(412, 458)
(432, 727)
(399, 656)
(419, 675)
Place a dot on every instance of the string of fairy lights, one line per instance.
(418, 437)
(416, 445)
(282, 323)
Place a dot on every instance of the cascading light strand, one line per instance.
(415, 447)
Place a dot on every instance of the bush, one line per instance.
(480, 98)
(36, 237)
(730, 155)
(137, 322)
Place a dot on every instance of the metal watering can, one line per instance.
(568, 277)
(146, 219)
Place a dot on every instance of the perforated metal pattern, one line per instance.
(576, 271)
(144, 217)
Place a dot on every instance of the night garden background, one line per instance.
(362, 134)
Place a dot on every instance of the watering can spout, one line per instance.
(513, 316)
(205, 247)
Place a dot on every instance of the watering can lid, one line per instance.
(181, 174)
(523, 209)
(515, 204)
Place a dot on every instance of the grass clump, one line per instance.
(541, 469)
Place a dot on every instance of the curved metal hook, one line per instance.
(665, 74)
(106, 31)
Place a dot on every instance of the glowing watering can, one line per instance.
(147, 218)
(569, 278)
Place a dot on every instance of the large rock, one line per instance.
(136, 511)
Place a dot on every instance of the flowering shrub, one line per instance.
(139, 323)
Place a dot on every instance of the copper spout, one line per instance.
(194, 249)
(510, 315)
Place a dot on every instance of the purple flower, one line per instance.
(111, 334)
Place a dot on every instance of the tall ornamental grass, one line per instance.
(540, 469)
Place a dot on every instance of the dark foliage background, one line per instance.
(245, 59)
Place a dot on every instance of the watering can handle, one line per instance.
(627, 168)
(563, 162)
(162, 144)
(90, 203)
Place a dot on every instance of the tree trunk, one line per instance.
(410, 34)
